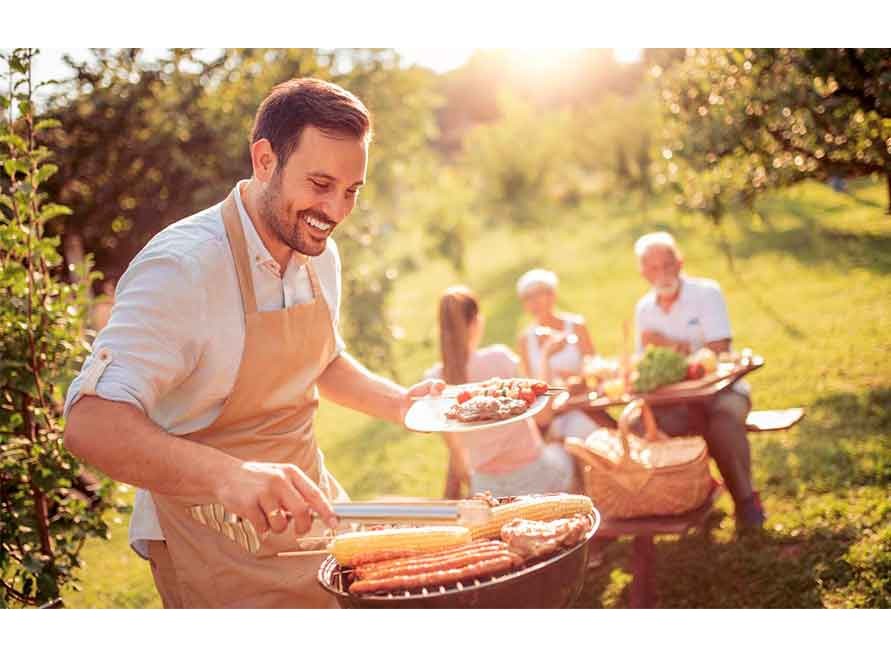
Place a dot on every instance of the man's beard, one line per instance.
(297, 235)
(668, 291)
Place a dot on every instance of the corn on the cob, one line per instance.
(534, 507)
(346, 546)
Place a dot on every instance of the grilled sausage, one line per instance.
(491, 566)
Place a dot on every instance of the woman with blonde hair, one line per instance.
(553, 348)
(508, 460)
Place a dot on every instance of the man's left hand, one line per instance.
(428, 387)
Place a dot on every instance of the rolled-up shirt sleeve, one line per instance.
(154, 337)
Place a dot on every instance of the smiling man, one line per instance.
(203, 386)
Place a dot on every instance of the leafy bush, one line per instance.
(44, 521)
(521, 163)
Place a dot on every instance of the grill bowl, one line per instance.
(551, 583)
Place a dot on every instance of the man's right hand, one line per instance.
(267, 493)
(657, 339)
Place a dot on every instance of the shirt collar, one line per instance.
(257, 251)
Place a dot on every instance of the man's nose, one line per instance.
(335, 210)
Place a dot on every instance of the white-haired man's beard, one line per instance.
(668, 290)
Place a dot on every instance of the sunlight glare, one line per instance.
(627, 55)
(541, 59)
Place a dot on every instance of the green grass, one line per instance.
(807, 283)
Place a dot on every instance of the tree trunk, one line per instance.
(888, 182)
(73, 253)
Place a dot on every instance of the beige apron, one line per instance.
(268, 416)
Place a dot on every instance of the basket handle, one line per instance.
(576, 447)
(651, 429)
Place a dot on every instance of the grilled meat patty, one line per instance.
(479, 409)
(534, 538)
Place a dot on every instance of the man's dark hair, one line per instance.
(294, 104)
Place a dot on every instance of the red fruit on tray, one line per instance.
(695, 371)
(463, 396)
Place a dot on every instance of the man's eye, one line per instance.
(320, 186)
(352, 192)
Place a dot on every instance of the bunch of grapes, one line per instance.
(659, 367)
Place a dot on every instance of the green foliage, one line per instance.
(743, 120)
(658, 367)
(521, 164)
(43, 522)
(613, 139)
(148, 143)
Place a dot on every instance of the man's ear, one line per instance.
(263, 160)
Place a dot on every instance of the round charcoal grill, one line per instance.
(554, 582)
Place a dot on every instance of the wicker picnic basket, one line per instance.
(629, 477)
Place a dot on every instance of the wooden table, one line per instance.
(589, 401)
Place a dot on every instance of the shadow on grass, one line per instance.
(764, 570)
(843, 442)
(829, 541)
(767, 308)
(811, 243)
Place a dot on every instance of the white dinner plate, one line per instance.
(428, 415)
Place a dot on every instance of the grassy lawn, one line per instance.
(807, 284)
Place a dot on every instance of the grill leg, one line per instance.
(643, 553)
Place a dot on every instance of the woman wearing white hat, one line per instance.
(554, 346)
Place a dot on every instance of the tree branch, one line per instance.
(21, 597)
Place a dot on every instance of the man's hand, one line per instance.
(431, 387)
(265, 492)
(659, 340)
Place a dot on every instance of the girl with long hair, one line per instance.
(506, 460)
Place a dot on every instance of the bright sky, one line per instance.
(49, 63)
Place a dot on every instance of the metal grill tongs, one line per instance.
(352, 515)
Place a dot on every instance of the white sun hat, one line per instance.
(535, 277)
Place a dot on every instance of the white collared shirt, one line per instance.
(176, 334)
(698, 316)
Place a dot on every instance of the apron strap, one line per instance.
(238, 246)
(313, 279)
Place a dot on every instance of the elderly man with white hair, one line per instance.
(685, 314)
